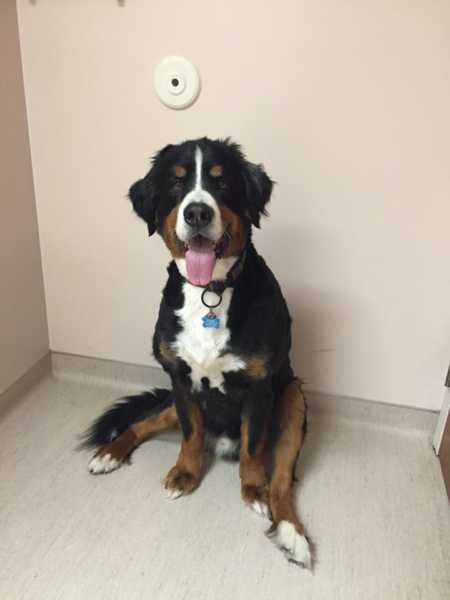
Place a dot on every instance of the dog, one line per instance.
(223, 335)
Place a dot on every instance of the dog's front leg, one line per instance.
(255, 415)
(186, 475)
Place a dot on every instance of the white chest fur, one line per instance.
(204, 349)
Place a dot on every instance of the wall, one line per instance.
(23, 325)
(346, 103)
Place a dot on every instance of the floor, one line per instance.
(371, 497)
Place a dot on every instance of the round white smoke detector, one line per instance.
(177, 82)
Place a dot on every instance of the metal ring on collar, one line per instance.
(205, 291)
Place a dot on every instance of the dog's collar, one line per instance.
(211, 319)
(218, 286)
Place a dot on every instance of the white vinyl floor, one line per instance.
(371, 498)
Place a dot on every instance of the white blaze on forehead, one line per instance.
(198, 194)
(198, 168)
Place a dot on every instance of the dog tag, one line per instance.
(211, 320)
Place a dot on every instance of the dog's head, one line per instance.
(202, 197)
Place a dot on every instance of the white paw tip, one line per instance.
(103, 464)
(174, 494)
(294, 545)
(260, 508)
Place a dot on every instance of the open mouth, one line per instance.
(201, 255)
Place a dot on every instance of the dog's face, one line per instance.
(202, 197)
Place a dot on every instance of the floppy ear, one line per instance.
(258, 188)
(143, 198)
(143, 194)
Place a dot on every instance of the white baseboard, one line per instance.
(132, 377)
(107, 372)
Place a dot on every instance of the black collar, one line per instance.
(218, 286)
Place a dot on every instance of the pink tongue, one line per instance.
(200, 265)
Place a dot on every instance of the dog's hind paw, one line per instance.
(103, 463)
(293, 544)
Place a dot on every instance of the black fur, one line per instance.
(260, 323)
(258, 318)
(244, 187)
(144, 194)
(124, 413)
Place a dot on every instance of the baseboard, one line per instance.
(378, 413)
(99, 371)
(137, 377)
(39, 370)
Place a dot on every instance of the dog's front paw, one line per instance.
(179, 482)
(257, 498)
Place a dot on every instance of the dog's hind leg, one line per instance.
(127, 424)
(287, 531)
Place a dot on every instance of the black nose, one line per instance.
(198, 214)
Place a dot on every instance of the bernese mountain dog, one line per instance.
(223, 335)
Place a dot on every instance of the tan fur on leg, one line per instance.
(110, 457)
(287, 530)
(254, 488)
(185, 476)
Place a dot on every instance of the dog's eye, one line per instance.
(179, 171)
(216, 174)
(216, 171)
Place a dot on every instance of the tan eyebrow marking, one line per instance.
(216, 171)
(180, 171)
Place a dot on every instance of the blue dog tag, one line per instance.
(211, 320)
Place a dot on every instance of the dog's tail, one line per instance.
(124, 413)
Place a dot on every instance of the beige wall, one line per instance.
(346, 103)
(23, 326)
